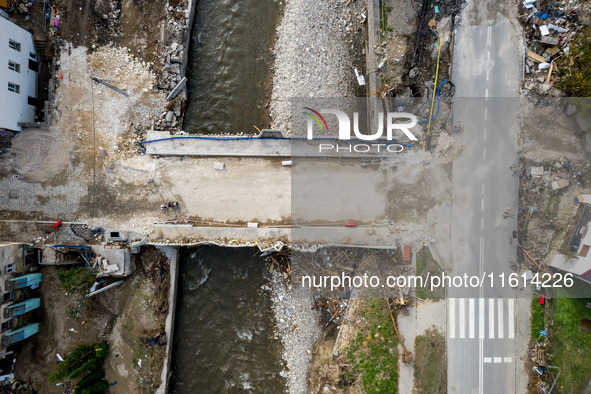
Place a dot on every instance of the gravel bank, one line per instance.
(298, 325)
(315, 40)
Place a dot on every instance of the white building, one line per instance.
(18, 76)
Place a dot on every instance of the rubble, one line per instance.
(550, 27)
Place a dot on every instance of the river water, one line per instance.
(223, 339)
(229, 69)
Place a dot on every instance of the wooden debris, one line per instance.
(550, 72)
(535, 57)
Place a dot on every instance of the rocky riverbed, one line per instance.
(317, 44)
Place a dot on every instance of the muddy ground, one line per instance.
(129, 317)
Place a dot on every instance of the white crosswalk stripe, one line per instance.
(494, 317)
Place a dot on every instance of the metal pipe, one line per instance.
(104, 288)
(550, 366)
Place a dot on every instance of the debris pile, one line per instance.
(539, 356)
(542, 185)
(550, 28)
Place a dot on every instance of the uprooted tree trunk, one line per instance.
(406, 355)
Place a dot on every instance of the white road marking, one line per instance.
(481, 318)
(486, 93)
(452, 317)
(489, 36)
(487, 72)
(481, 368)
(471, 317)
(511, 316)
(500, 334)
(485, 116)
(507, 359)
(487, 360)
(488, 55)
(497, 360)
(482, 223)
(462, 313)
(491, 318)
(482, 204)
(484, 154)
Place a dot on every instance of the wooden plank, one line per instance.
(535, 57)
(550, 72)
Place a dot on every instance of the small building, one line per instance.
(18, 76)
(18, 280)
(578, 244)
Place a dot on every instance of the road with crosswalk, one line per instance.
(481, 321)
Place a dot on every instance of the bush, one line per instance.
(75, 280)
(576, 69)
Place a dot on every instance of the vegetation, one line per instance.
(537, 318)
(426, 264)
(374, 353)
(553, 203)
(569, 346)
(75, 280)
(86, 361)
(576, 68)
(430, 363)
(384, 11)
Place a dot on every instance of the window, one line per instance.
(33, 55)
(14, 66)
(6, 325)
(13, 87)
(33, 65)
(14, 45)
(8, 269)
(584, 251)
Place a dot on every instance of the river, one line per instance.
(230, 66)
(224, 338)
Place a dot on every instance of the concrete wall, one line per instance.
(15, 107)
(192, 8)
(172, 254)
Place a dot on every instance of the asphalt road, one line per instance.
(482, 321)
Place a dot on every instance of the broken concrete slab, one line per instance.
(559, 184)
(537, 171)
(177, 89)
(549, 40)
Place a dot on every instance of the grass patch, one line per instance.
(384, 11)
(76, 280)
(552, 206)
(430, 363)
(569, 347)
(374, 353)
(537, 318)
(426, 264)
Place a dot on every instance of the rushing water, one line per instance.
(229, 69)
(223, 339)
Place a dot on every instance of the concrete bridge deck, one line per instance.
(162, 143)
